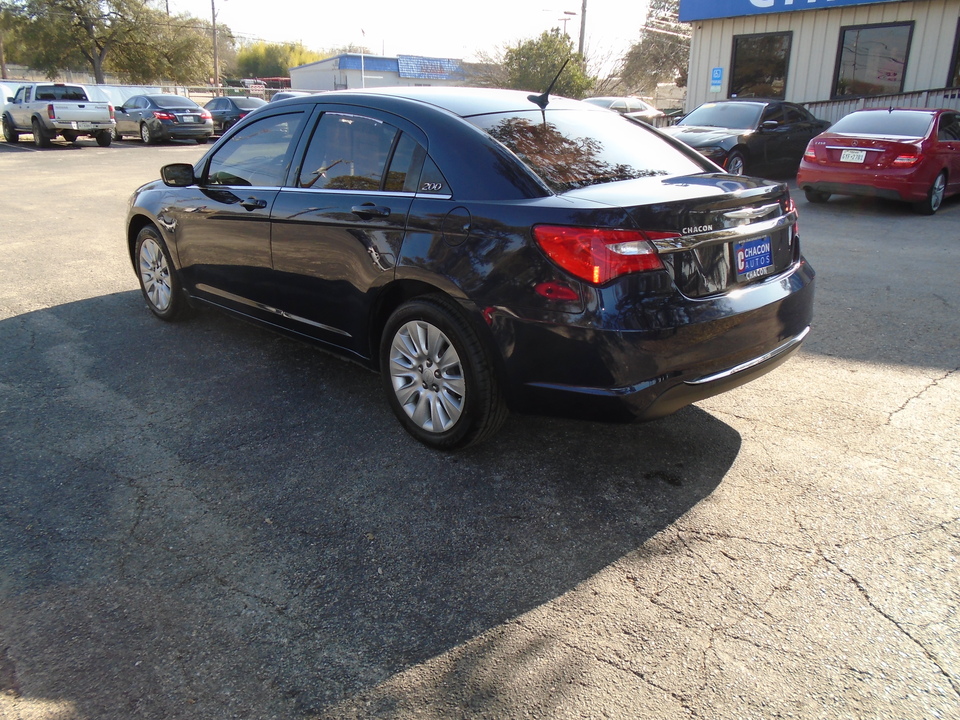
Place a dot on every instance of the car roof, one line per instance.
(462, 101)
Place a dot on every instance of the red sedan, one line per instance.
(911, 155)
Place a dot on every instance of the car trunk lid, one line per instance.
(721, 233)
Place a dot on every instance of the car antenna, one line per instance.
(543, 99)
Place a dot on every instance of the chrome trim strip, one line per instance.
(714, 237)
(269, 309)
(850, 147)
(752, 213)
(779, 350)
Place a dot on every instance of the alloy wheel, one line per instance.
(155, 275)
(427, 376)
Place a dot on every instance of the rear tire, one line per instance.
(438, 375)
(159, 283)
(146, 135)
(10, 133)
(104, 138)
(202, 141)
(816, 196)
(934, 196)
(40, 137)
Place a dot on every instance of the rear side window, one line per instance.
(258, 155)
(347, 152)
(574, 148)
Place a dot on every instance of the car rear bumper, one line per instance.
(906, 185)
(694, 349)
(185, 132)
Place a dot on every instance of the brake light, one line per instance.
(205, 114)
(112, 116)
(163, 115)
(810, 154)
(599, 255)
(51, 113)
(906, 160)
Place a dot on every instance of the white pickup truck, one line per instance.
(48, 109)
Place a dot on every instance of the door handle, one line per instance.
(370, 210)
(252, 203)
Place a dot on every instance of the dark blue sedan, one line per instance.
(483, 251)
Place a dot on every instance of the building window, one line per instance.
(954, 79)
(872, 59)
(760, 65)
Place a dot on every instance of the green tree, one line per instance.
(131, 38)
(178, 49)
(533, 64)
(662, 53)
(262, 59)
(67, 34)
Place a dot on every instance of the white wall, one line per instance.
(816, 38)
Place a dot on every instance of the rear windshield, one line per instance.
(248, 103)
(60, 92)
(739, 115)
(574, 148)
(895, 122)
(172, 102)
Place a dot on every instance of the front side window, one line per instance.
(569, 149)
(872, 59)
(760, 64)
(258, 155)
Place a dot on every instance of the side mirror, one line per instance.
(769, 125)
(177, 175)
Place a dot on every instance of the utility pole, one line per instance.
(583, 26)
(216, 52)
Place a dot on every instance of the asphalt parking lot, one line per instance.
(204, 520)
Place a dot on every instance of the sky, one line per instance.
(454, 29)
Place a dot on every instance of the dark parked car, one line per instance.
(287, 94)
(483, 253)
(154, 118)
(226, 111)
(911, 155)
(749, 135)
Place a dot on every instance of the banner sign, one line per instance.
(691, 10)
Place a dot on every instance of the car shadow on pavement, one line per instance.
(206, 519)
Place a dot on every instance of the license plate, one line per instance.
(84, 126)
(190, 118)
(853, 156)
(754, 258)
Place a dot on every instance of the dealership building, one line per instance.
(811, 51)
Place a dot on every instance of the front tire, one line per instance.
(159, 283)
(40, 137)
(438, 375)
(117, 135)
(934, 196)
(736, 163)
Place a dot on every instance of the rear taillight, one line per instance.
(163, 115)
(205, 114)
(906, 160)
(51, 113)
(112, 116)
(810, 154)
(599, 255)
